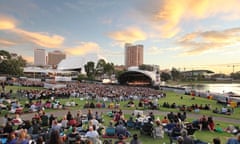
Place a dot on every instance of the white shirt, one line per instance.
(92, 134)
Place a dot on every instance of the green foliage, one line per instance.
(171, 97)
(5, 53)
(165, 76)
(82, 77)
(90, 69)
(176, 75)
(11, 66)
(235, 75)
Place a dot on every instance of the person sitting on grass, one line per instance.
(211, 124)
(203, 124)
(186, 139)
(234, 140)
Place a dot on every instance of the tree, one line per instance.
(165, 76)
(235, 75)
(90, 69)
(12, 66)
(100, 67)
(82, 77)
(5, 53)
(176, 75)
(109, 69)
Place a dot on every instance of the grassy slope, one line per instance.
(171, 97)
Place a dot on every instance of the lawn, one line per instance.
(170, 98)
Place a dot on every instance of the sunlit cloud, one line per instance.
(6, 43)
(41, 39)
(167, 15)
(7, 23)
(83, 48)
(200, 42)
(130, 34)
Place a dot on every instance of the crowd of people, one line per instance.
(88, 127)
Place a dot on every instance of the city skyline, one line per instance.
(184, 34)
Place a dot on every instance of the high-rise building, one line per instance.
(55, 57)
(39, 57)
(133, 55)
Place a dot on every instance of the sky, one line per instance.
(185, 34)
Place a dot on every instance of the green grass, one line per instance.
(205, 136)
(171, 97)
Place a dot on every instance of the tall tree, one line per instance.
(109, 69)
(165, 76)
(100, 67)
(90, 69)
(176, 75)
(12, 66)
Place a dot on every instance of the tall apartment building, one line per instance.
(133, 55)
(39, 57)
(55, 57)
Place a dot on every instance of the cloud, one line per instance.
(167, 15)
(41, 39)
(199, 42)
(83, 48)
(6, 43)
(7, 23)
(128, 35)
(154, 50)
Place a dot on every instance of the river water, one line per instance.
(217, 88)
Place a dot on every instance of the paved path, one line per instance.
(61, 113)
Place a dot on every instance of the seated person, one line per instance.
(110, 130)
(140, 104)
(211, 124)
(86, 105)
(165, 120)
(231, 129)
(224, 110)
(8, 128)
(92, 135)
(170, 116)
(122, 130)
(72, 136)
(186, 138)
(158, 130)
(216, 110)
(203, 124)
(176, 131)
(92, 105)
(64, 122)
(17, 120)
(72, 122)
(234, 140)
(130, 104)
(130, 122)
(147, 127)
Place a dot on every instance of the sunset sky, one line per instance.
(185, 34)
